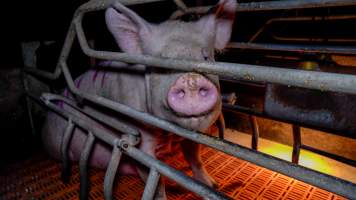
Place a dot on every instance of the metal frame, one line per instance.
(307, 79)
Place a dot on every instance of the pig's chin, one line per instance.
(196, 123)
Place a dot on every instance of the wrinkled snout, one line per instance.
(192, 95)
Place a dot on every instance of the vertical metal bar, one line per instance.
(151, 185)
(255, 131)
(28, 105)
(296, 143)
(83, 167)
(111, 171)
(221, 126)
(64, 151)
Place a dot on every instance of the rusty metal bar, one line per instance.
(83, 166)
(111, 171)
(151, 185)
(297, 142)
(255, 131)
(67, 135)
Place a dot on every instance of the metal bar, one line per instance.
(291, 4)
(318, 179)
(83, 166)
(255, 131)
(294, 48)
(28, 104)
(179, 177)
(324, 181)
(311, 39)
(221, 126)
(67, 135)
(185, 181)
(151, 185)
(111, 171)
(303, 18)
(297, 142)
(242, 109)
(307, 79)
(102, 118)
(330, 155)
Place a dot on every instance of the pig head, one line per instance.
(191, 100)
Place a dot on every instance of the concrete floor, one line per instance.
(307, 159)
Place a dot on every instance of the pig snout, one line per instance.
(192, 95)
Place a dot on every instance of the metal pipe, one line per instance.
(151, 185)
(83, 166)
(307, 79)
(28, 104)
(185, 181)
(100, 117)
(242, 109)
(67, 135)
(255, 131)
(297, 142)
(294, 48)
(291, 4)
(324, 181)
(179, 177)
(111, 171)
(318, 179)
(301, 39)
(302, 18)
(330, 155)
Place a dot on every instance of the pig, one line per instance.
(191, 100)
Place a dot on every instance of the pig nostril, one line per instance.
(180, 94)
(203, 92)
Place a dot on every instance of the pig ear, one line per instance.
(127, 28)
(220, 22)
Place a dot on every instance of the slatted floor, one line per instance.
(39, 178)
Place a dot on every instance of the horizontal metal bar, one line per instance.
(100, 117)
(312, 39)
(179, 177)
(300, 18)
(307, 79)
(291, 4)
(324, 181)
(294, 48)
(330, 155)
(250, 111)
(151, 185)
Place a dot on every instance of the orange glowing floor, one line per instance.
(39, 178)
